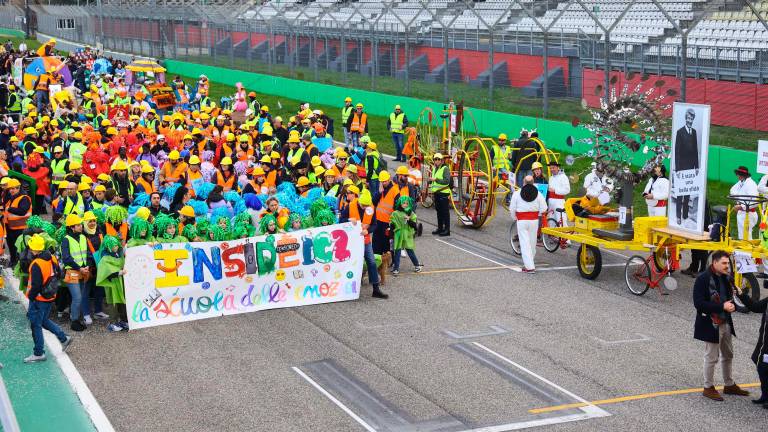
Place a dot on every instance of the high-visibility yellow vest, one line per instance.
(58, 170)
(436, 187)
(375, 174)
(396, 122)
(501, 157)
(345, 112)
(14, 103)
(77, 207)
(78, 249)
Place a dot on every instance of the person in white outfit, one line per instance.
(559, 188)
(656, 192)
(596, 182)
(745, 187)
(526, 206)
(762, 186)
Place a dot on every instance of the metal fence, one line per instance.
(490, 54)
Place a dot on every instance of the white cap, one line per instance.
(160, 137)
(249, 112)
(316, 112)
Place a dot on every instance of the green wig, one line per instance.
(162, 221)
(110, 242)
(404, 200)
(190, 232)
(116, 214)
(325, 218)
(293, 217)
(216, 233)
(264, 222)
(137, 226)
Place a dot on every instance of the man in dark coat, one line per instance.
(713, 299)
(686, 158)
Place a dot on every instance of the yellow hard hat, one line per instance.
(265, 108)
(316, 161)
(231, 137)
(384, 176)
(194, 160)
(63, 185)
(371, 145)
(83, 187)
(226, 112)
(143, 213)
(119, 165)
(502, 136)
(187, 211)
(226, 161)
(354, 189)
(167, 118)
(365, 198)
(174, 155)
(266, 143)
(58, 149)
(351, 168)
(437, 156)
(85, 179)
(342, 155)
(75, 124)
(14, 139)
(293, 139)
(13, 183)
(347, 99)
(258, 171)
(111, 131)
(37, 242)
(106, 122)
(274, 155)
(45, 119)
(147, 169)
(100, 188)
(265, 159)
(72, 220)
(187, 137)
(74, 165)
(243, 138)
(330, 173)
(359, 105)
(402, 170)
(89, 216)
(196, 131)
(39, 149)
(30, 131)
(397, 107)
(303, 181)
(319, 170)
(537, 165)
(77, 135)
(205, 116)
(104, 177)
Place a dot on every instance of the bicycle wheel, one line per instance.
(514, 239)
(637, 275)
(551, 243)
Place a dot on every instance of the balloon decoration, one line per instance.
(102, 66)
(40, 65)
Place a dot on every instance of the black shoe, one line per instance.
(444, 234)
(378, 294)
(762, 400)
(436, 232)
(419, 229)
(77, 326)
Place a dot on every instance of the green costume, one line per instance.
(162, 222)
(108, 271)
(138, 226)
(403, 232)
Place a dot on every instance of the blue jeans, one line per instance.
(76, 290)
(41, 100)
(397, 139)
(373, 186)
(38, 313)
(521, 175)
(347, 139)
(370, 262)
(98, 297)
(354, 138)
(411, 254)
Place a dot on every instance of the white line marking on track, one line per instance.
(642, 338)
(538, 269)
(513, 268)
(338, 403)
(90, 404)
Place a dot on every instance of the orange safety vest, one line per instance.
(244, 155)
(46, 268)
(227, 184)
(16, 222)
(366, 220)
(173, 175)
(387, 204)
(405, 191)
(122, 235)
(192, 176)
(271, 180)
(90, 245)
(358, 123)
(42, 83)
(148, 187)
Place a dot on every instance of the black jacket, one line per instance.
(36, 276)
(686, 150)
(761, 348)
(704, 330)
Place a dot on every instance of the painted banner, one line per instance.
(762, 157)
(688, 166)
(175, 282)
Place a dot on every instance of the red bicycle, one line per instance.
(640, 273)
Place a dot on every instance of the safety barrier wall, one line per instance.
(722, 161)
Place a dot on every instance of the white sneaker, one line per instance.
(34, 358)
(88, 320)
(101, 315)
(403, 254)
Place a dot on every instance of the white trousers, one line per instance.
(555, 203)
(657, 211)
(740, 221)
(526, 231)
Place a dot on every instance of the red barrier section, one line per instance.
(733, 104)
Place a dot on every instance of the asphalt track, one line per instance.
(470, 344)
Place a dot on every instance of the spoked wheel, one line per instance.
(473, 197)
(427, 199)
(637, 275)
(589, 261)
(749, 281)
(514, 239)
(660, 257)
(551, 243)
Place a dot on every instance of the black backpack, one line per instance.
(51, 287)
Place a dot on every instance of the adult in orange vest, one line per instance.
(357, 125)
(193, 173)
(361, 211)
(146, 183)
(385, 200)
(41, 87)
(401, 179)
(18, 209)
(173, 170)
(226, 176)
(41, 270)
